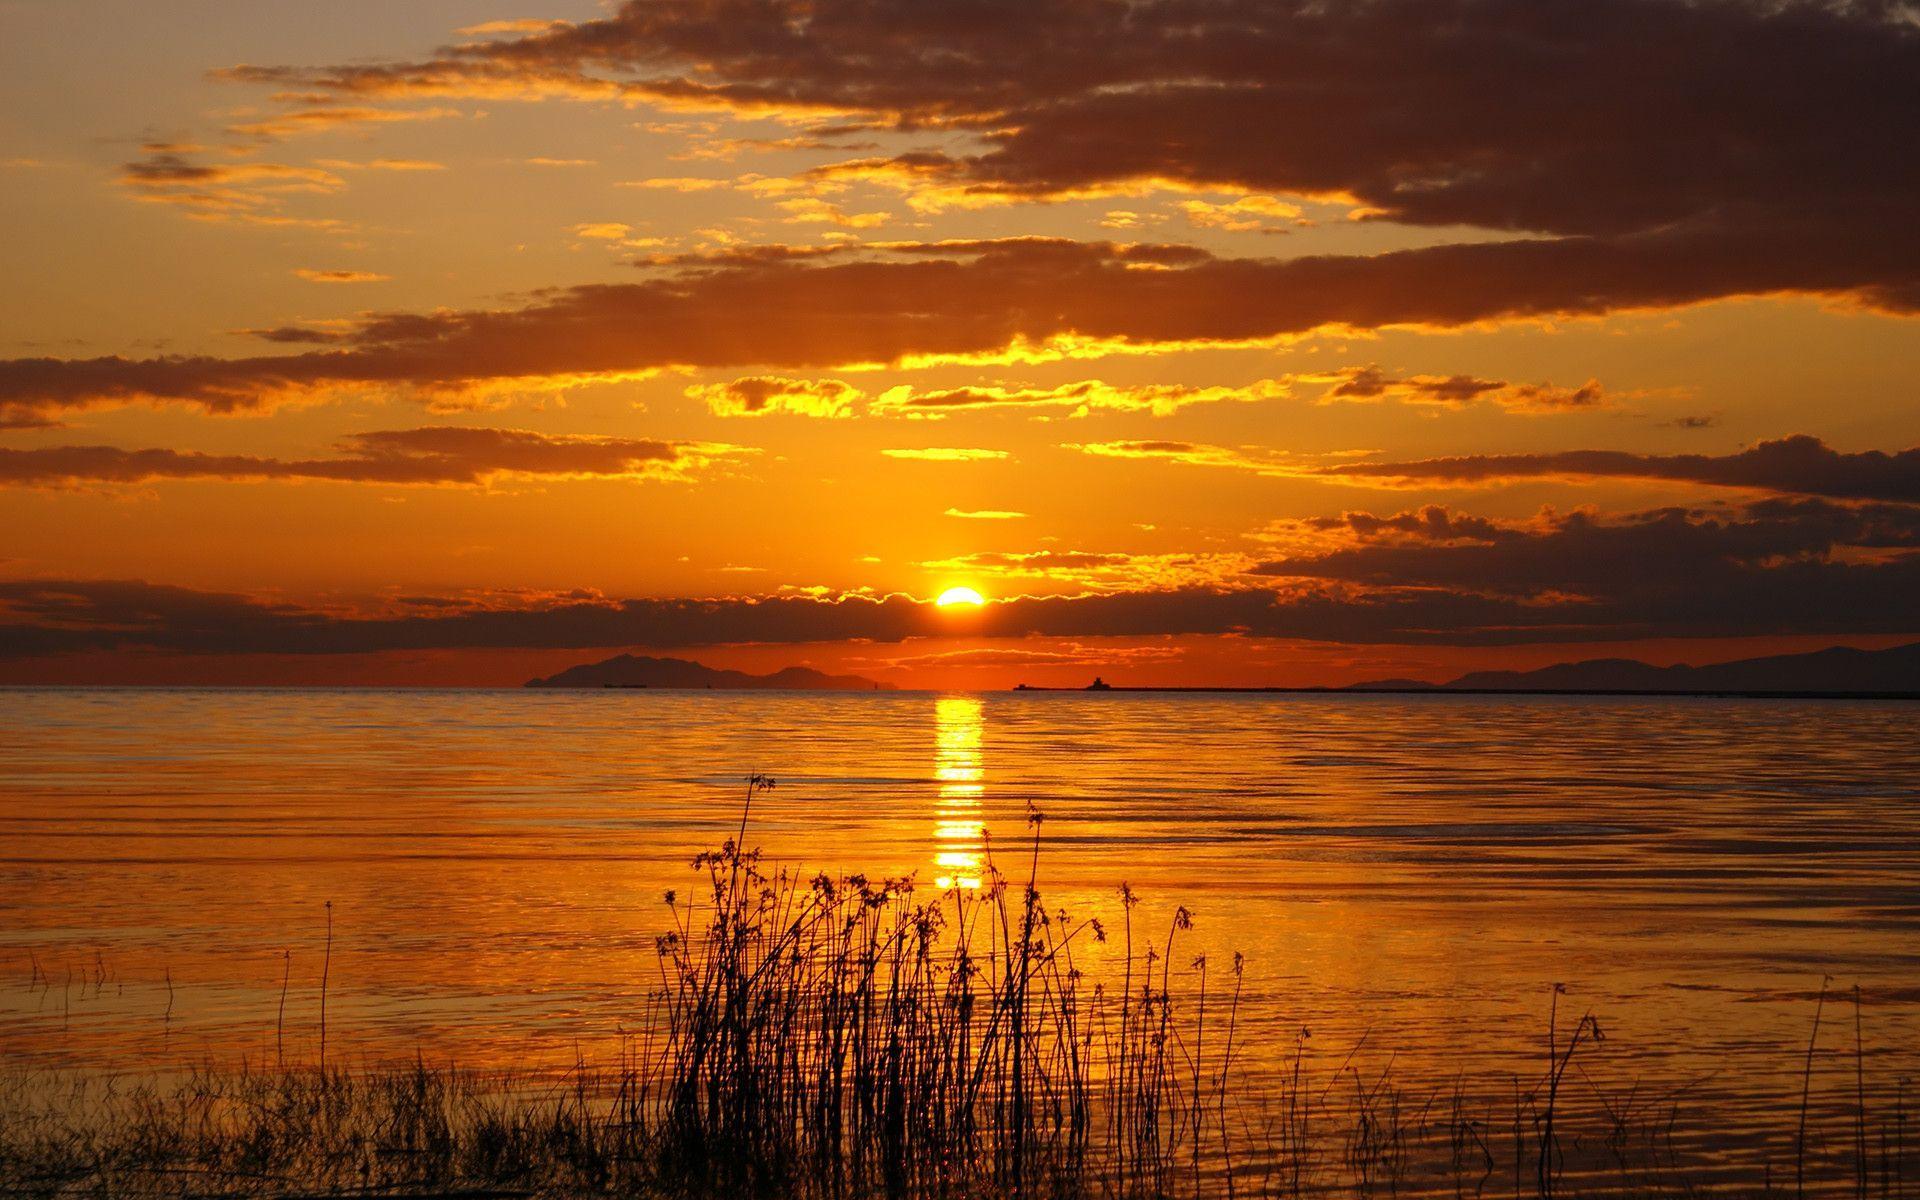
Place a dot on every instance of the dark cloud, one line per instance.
(950, 299)
(1781, 125)
(1800, 465)
(1455, 391)
(239, 188)
(39, 616)
(1538, 114)
(1433, 523)
(1806, 566)
(243, 190)
(1861, 526)
(297, 335)
(441, 454)
(1802, 567)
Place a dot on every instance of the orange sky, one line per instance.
(1246, 342)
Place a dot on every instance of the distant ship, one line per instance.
(1098, 685)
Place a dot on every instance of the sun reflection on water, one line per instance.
(959, 832)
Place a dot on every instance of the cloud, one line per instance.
(326, 119)
(613, 231)
(823, 138)
(681, 183)
(1069, 655)
(169, 170)
(946, 454)
(807, 210)
(1089, 395)
(913, 303)
(909, 302)
(1101, 570)
(1430, 523)
(1249, 214)
(1038, 562)
(1082, 397)
(1370, 383)
(1800, 465)
(1771, 569)
(431, 455)
(249, 192)
(985, 514)
(1670, 572)
(316, 276)
(606, 231)
(514, 25)
(380, 164)
(758, 395)
(1782, 129)
(1196, 454)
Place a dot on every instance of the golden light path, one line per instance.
(959, 831)
(959, 595)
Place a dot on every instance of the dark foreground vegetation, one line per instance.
(826, 1038)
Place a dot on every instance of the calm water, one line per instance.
(1409, 875)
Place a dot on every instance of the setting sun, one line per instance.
(960, 595)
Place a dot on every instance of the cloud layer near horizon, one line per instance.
(1430, 577)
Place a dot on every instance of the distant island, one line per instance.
(638, 671)
(1838, 670)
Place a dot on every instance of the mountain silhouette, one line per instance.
(1838, 670)
(635, 671)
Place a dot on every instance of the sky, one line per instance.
(1211, 341)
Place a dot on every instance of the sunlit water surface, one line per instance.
(1408, 875)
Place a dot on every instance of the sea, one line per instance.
(1421, 886)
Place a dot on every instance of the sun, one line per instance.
(960, 595)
